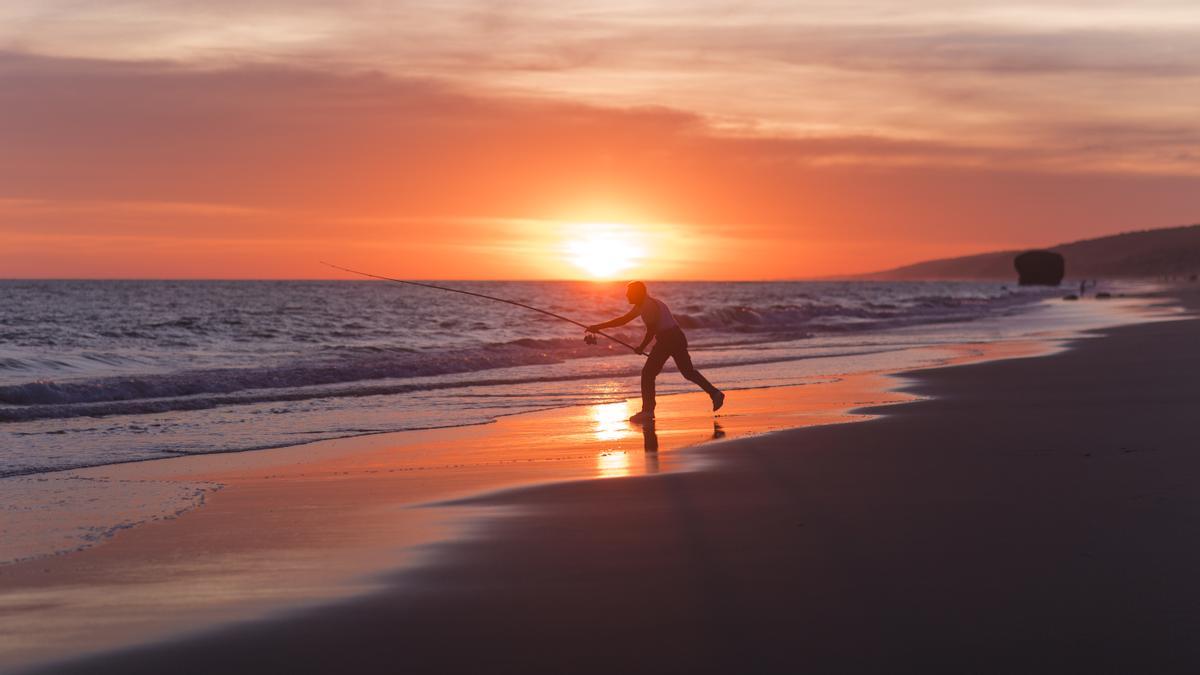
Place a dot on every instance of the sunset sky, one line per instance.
(466, 139)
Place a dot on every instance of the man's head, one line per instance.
(635, 292)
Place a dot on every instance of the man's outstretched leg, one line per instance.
(683, 361)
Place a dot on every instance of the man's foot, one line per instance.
(718, 400)
(642, 417)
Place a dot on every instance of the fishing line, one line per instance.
(485, 297)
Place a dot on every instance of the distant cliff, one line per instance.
(1173, 251)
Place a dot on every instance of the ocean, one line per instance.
(100, 372)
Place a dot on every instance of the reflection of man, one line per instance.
(649, 438)
(669, 341)
(650, 443)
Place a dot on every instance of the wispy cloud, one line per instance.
(930, 69)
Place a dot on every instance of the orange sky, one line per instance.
(472, 140)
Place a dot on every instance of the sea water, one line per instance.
(99, 372)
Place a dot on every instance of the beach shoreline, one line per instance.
(469, 492)
(325, 519)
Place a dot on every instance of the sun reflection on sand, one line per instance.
(613, 464)
(610, 421)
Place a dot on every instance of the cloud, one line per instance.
(289, 159)
(969, 72)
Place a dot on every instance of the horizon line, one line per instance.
(524, 280)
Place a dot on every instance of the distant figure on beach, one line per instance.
(669, 341)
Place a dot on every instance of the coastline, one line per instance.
(305, 525)
(856, 395)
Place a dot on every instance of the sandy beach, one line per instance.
(1029, 514)
(295, 526)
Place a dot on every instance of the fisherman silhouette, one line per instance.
(669, 341)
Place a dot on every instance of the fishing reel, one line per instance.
(589, 338)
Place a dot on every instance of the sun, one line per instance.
(604, 252)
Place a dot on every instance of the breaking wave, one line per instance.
(339, 367)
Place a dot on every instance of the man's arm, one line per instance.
(651, 314)
(650, 332)
(619, 321)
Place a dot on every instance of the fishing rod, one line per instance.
(589, 339)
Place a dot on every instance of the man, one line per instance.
(669, 340)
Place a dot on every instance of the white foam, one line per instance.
(63, 512)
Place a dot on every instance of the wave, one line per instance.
(816, 314)
(358, 370)
(352, 389)
(352, 365)
(79, 362)
(775, 318)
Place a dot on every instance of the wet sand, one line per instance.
(298, 526)
(1034, 515)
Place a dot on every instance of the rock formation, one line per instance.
(1040, 268)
